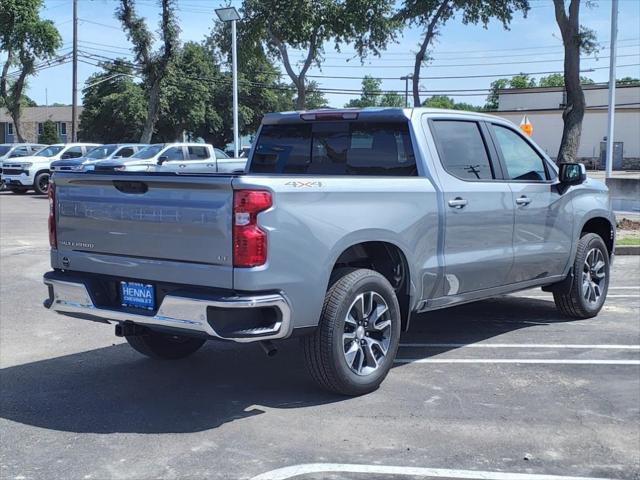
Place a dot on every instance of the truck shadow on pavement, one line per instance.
(114, 389)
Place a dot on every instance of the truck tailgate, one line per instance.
(170, 228)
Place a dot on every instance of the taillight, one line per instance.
(249, 240)
(53, 240)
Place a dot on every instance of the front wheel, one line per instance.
(41, 183)
(591, 279)
(355, 344)
(164, 346)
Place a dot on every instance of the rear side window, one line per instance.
(198, 153)
(335, 148)
(462, 149)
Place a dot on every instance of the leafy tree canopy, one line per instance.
(443, 101)
(372, 95)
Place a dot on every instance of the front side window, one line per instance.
(101, 152)
(125, 152)
(173, 153)
(521, 160)
(73, 152)
(4, 149)
(149, 152)
(198, 153)
(20, 152)
(335, 148)
(462, 149)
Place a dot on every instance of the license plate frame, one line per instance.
(137, 295)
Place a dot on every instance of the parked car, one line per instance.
(345, 225)
(175, 157)
(33, 172)
(15, 150)
(103, 152)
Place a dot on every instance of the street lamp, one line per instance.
(230, 14)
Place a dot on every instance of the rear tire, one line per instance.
(165, 346)
(355, 344)
(41, 183)
(591, 280)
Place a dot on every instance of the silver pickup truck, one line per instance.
(344, 225)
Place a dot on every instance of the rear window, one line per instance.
(335, 148)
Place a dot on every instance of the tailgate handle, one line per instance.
(130, 187)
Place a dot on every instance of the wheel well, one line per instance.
(602, 227)
(386, 259)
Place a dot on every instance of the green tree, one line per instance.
(49, 133)
(443, 101)
(522, 80)
(575, 39)
(557, 80)
(628, 81)
(314, 97)
(307, 25)
(25, 38)
(431, 15)
(154, 65)
(373, 96)
(114, 105)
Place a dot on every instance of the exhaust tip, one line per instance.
(268, 347)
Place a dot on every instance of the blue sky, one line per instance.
(531, 45)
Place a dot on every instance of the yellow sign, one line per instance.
(526, 126)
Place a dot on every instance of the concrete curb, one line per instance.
(628, 250)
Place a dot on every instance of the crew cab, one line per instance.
(344, 226)
(111, 151)
(33, 172)
(176, 157)
(16, 150)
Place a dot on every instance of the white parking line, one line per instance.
(625, 288)
(550, 297)
(518, 360)
(314, 468)
(521, 345)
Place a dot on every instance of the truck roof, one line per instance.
(368, 113)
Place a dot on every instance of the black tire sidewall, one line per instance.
(378, 284)
(589, 242)
(36, 183)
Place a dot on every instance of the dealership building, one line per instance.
(32, 123)
(544, 105)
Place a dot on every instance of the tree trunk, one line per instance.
(420, 56)
(152, 111)
(299, 79)
(574, 109)
(16, 115)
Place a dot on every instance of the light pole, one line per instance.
(612, 87)
(230, 14)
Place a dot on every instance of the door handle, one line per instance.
(523, 200)
(457, 203)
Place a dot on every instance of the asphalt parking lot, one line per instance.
(501, 387)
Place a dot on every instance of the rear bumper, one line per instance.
(193, 315)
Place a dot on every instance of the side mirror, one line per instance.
(162, 159)
(572, 173)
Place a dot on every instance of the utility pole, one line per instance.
(74, 92)
(612, 86)
(406, 79)
(234, 62)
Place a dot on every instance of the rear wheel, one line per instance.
(591, 279)
(41, 183)
(355, 344)
(165, 346)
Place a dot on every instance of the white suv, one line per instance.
(32, 172)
